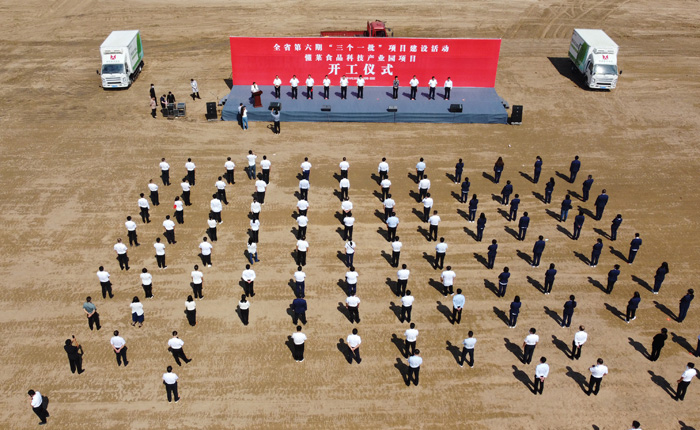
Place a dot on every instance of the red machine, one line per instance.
(374, 29)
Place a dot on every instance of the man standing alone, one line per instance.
(414, 363)
(170, 382)
(298, 338)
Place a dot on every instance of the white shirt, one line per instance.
(185, 186)
(346, 206)
(206, 248)
(448, 277)
(383, 167)
(294, 82)
(215, 205)
(688, 375)
(130, 225)
(220, 185)
(169, 225)
(255, 207)
(580, 337)
(36, 399)
(117, 341)
(299, 276)
(532, 339)
(389, 203)
(413, 82)
(392, 221)
(197, 277)
(190, 306)
(153, 187)
(265, 164)
(420, 166)
(427, 202)
(407, 301)
(434, 220)
(403, 274)
(252, 248)
(251, 159)
(352, 301)
(230, 165)
(120, 248)
(542, 370)
(309, 82)
(176, 343)
(354, 341)
(277, 82)
(170, 378)
(254, 88)
(302, 221)
(344, 165)
(432, 83)
(599, 370)
(302, 205)
(326, 82)
(302, 245)
(345, 183)
(448, 83)
(305, 165)
(178, 205)
(360, 82)
(244, 305)
(136, 308)
(424, 184)
(164, 166)
(143, 203)
(146, 279)
(304, 184)
(343, 82)
(255, 224)
(349, 221)
(103, 276)
(211, 223)
(195, 87)
(299, 338)
(351, 277)
(386, 183)
(469, 343)
(415, 361)
(441, 247)
(260, 186)
(248, 275)
(349, 247)
(396, 246)
(411, 335)
(189, 166)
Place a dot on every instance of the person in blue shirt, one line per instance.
(480, 226)
(492, 251)
(549, 278)
(632, 306)
(569, 307)
(457, 305)
(514, 204)
(465, 190)
(612, 278)
(660, 276)
(503, 282)
(473, 204)
(586, 188)
(600, 203)
(565, 208)
(634, 247)
(538, 169)
(615, 225)
(595, 254)
(685, 305)
(523, 224)
(459, 168)
(548, 190)
(514, 312)
(498, 170)
(299, 308)
(578, 225)
(574, 168)
(537, 251)
(506, 192)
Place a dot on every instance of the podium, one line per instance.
(256, 99)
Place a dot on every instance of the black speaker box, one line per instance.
(275, 105)
(393, 109)
(211, 109)
(516, 117)
(326, 108)
(455, 107)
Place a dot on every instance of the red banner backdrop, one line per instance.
(468, 62)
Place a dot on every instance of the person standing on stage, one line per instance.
(294, 82)
(414, 87)
(448, 88)
(432, 84)
(343, 88)
(360, 87)
(309, 88)
(326, 88)
(277, 83)
(395, 88)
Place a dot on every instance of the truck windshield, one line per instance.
(109, 69)
(605, 69)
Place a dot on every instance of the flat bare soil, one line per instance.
(76, 157)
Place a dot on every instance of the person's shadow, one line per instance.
(455, 351)
(522, 377)
(393, 286)
(561, 345)
(501, 315)
(423, 232)
(564, 231)
(489, 177)
(387, 257)
(437, 285)
(618, 254)
(597, 284)
(445, 311)
(344, 349)
(511, 232)
(513, 348)
(480, 258)
(665, 310)
(400, 344)
(579, 378)
(470, 233)
(535, 283)
(525, 257)
(403, 370)
(642, 283)
(663, 383)
(343, 310)
(430, 259)
(682, 342)
(582, 257)
(528, 177)
(615, 311)
(491, 287)
(684, 426)
(538, 196)
(396, 310)
(553, 214)
(290, 345)
(553, 315)
(601, 233)
(639, 348)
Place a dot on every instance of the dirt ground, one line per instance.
(75, 158)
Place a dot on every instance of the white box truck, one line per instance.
(594, 54)
(122, 58)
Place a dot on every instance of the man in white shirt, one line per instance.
(277, 82)
(344, 167)
(343, 87)
(348, 222)
(169, 226)
(302, 222)
(541, 373)
(147, 283)
(304, 189)
(186, 191)
(406, 306)
(255, 209)
(302, 206)
(251, 164)
(351, 279)
(352, 303)
(197, 282)
(175, 347)
(143, 208)
(206, 248)
(423, 187)
(326, 87)
(411, 337)
(119, 346)
(598, 370)
(105, 283)
(248, 277)
(448, 279)
(211, 224)
(360, 87)
(309, 88)
(395, 252)
(298, 338)
(427, 205)
(392, 223)
(170, 382)
(38, 407)
(434, 220)
(468, 349)
(420, 169)
(165, 172)
(354, 342)
(221, 190)
(389, 206)
(458, 302)
(254, 230)
(529, 345)
(254, 89)
(294, 82)
(414, 87)
(305, 168)
(346, 206)
(216, 208)
(414, 363)
(260, 187)
(230, 170)
(432, 83)
(122, 256)
(153, 188)
(252, 252)
(349, 253)
(344, 188)
(402, 280)
(386, 185)
(448, 88)
(302, 247)
(383, 169)
(579, 339)
(685, 380)
(131, 232)
(265, 166)
(160, 253)
(179, 210)
(440, 252)
(300, 281)
(190, 171)
(195, 89)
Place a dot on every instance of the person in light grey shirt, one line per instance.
(276, 121)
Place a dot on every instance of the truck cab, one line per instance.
(115, 71)
(601, 71)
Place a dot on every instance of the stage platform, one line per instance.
(480, 106)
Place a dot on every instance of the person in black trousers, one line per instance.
(632, 306)
(459, 168)
(657, 344)
(565, 208)
(578, 225)
(612, 278)
(244, 309)
(569, 307)
(548, 190)
(615, 225)
(473, 205)
(503, 282)
(538, 170)
(537, 251)
(685, 305)
(299, 308)
(480, 226)
(549, 278)
(170, 382)
(634, 247)
(498, 170)
(574, 168)
(40, 408)
(514, 312)
(586, 188)
(523, 224)
(595, 254)
(685, 380)
(600, 203)
(659, 277)
(506, 192)
(75, 358)
(492, 251)
(514, 204)
(465, 190)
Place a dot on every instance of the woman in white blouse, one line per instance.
(136, 312)
(191, 311)
(243, 309)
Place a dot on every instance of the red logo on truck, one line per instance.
(605, 57)
(113, 57)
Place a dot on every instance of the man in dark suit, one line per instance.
(506, 192)
(152, 91)
(549, 278)
(493, 250)
(473, 205)
(503, 282)
(514, 204)
(537, 251)
(74, 356)
(578, 225)
(569, 307)
(523, 224)
(565, 208)
(634, 247)
(685, 305)
(299, 308)
(600, 203)
(657, 344)
(574, 168)
(595, 254)
(612, 278)
(587, 184)
(615, 225)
